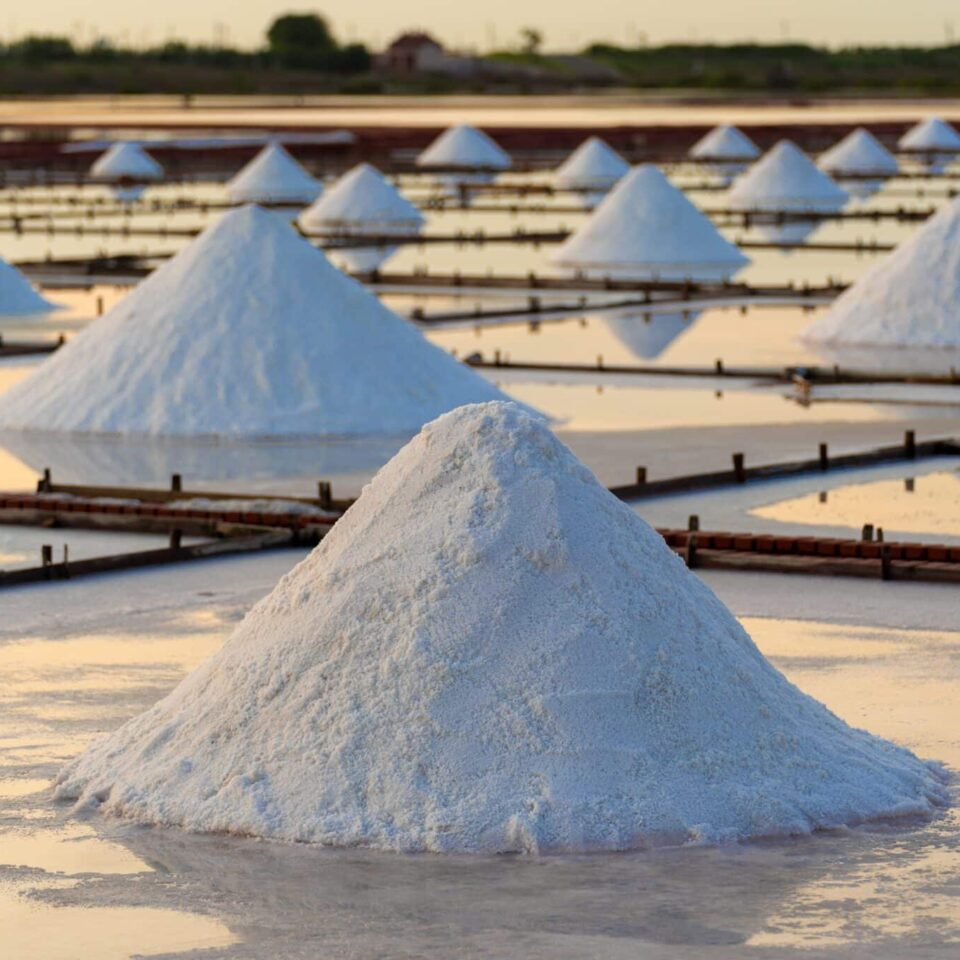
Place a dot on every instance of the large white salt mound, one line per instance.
(464, 146)
(593, 167)
(646, 227)
(910, 298)
(931, 134)
(17, 295)
(248, 332)
(492, 653)
(859, 152)
(786, 179)
(363, 203)
(724, 143)
(273, 176)
(126, 161)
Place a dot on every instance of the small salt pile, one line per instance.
(646, 228)
(126, 166)
(910, 298)
(725, 150)
(248, 332)
(470, 156)
(491, 653)
(591, 170)
(860, 163)
(17, 295)
(936, 142)
(786, 180)
(363, 203)
(273, 176)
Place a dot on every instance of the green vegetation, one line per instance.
(301, 54)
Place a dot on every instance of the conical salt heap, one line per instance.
(724, 143)
(725, 150)
(492, 653)
(592, 170)
(127, 166)
(464, 146)
(787, 180)
(935, 140)
(860, 162)
(910, 298)
(273, 176)
(363, 202)
(248, 332)
(647, 228)
(17, 295)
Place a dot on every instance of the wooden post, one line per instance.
(46, 555)
(496, 358)
(693, 523)
(325, 494)
(719, 367)
(100, 306)
(909, 484)
(824, 458)
(886, 569)
(879, 534)
(641, 476)
(910, 445)
(46, 484)
(176, 483)
(867, 532)
(175, 536)
(599, 361)
(738, 468)
(691, 553)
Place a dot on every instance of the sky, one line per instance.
(566, 25)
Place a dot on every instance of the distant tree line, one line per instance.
(293, 42)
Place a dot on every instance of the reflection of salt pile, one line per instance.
(592, 170)
(935, 141)
(17, 295)
(467, 154)
(909, 298)
(363, 203)
(646, 336)
(647, 228)
(786, 180)
(248, 332)
(492, 653)
(725, 150)
(859, 155)
(126, 166)
(273, 176)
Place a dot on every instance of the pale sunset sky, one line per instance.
(566, 24)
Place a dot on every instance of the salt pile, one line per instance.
(126, 165)
(17, 295)
(467, 151)
(935, 139)
(464, 146)
(363, 203)
(248, 332)
(860, 156)
(273, 176)
(647, 228)
(591, 170)
(491, 653)
(910, 298)
(725, 150)
(785, 179)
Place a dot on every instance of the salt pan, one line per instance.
(491, 653)
(248, 332)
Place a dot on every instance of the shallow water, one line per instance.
(117, 889)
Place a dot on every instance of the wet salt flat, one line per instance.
(887, 890)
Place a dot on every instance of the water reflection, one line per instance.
(77, 458)
(912, 505)
(647, 335)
